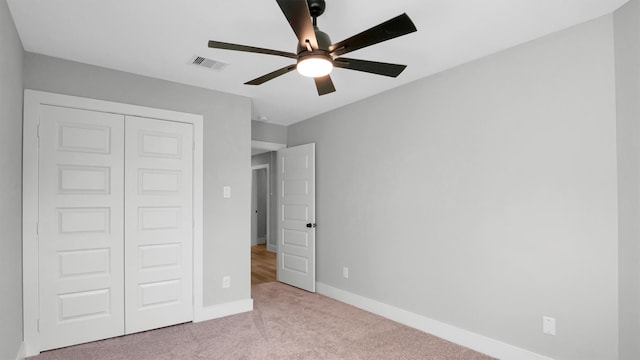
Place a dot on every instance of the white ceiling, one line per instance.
(158, 38)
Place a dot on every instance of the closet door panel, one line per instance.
(81, 228)
(158, 218)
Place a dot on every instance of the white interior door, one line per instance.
(80, 242)
(296, 217)
(158, 223)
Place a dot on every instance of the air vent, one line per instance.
(209, 63)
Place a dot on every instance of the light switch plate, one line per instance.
(226, 192)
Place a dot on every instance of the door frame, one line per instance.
(32, 101)
(267, 167)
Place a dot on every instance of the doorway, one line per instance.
(260, 204)
(263, 258)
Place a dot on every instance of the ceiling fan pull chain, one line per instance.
(308, 43)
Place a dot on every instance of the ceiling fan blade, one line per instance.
(297, 13)
(390, 29)
(374, 67)
(324, 85)
(236, 47)
(272, 75)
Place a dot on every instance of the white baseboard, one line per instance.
(22, 353)
(448, 332)
(272, 248)
(222, 310)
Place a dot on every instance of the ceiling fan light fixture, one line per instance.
(316, 55)
(314, 66)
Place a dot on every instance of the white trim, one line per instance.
(21, 352)
(268, 168)
(221, 310)
(29, 224)
(448, 332)
(198, 216)
(265, 146)
(32, 101)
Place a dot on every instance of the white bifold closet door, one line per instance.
(80, 226)
(158, 223)
(115, 225)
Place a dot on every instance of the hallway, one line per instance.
(263, 265)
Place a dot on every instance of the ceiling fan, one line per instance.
(316, 56)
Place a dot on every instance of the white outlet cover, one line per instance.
(226, 192)
(345, 272)
(548, 325)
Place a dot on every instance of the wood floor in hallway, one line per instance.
(263, 265)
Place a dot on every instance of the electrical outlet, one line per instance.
(345, 272)
(226, 282)
(548, 325)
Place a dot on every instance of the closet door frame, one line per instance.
(32, 101)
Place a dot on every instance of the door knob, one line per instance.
(310, 225)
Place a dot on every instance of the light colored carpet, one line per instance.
(287, 323)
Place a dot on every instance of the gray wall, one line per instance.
(11, 59)
(270, 158)
(483, 197)
(627, 52)
(274, 133)
(227, 144)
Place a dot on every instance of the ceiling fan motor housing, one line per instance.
(321, 53)
(323, 42)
